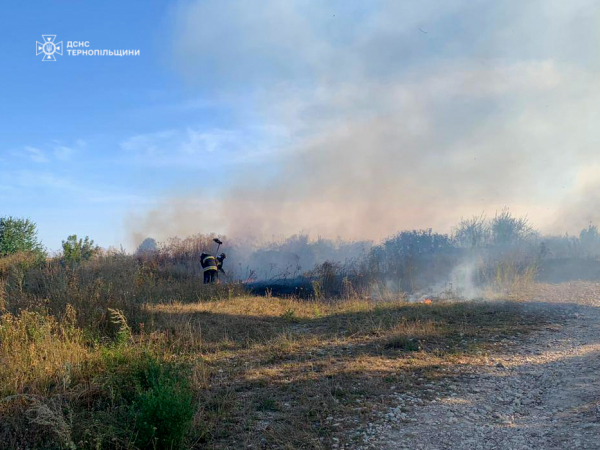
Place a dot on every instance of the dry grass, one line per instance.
(264, 372)
(38, 353)
(295, 374)
(133, 352)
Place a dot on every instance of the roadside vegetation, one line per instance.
(247, 371)
(106, 350)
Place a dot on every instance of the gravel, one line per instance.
(540, 393)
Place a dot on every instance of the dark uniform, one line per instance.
(220, 261)
(211, 266)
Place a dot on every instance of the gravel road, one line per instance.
(542, 392)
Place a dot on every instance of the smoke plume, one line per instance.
(398, 116)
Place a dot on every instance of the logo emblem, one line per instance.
(49, 47)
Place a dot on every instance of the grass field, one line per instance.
(242, 372)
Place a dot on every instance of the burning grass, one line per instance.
(231, 373)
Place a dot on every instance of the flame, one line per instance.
(427, 301)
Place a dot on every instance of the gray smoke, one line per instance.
(395, 116)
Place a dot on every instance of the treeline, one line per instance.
(503, 252)
(479, 251)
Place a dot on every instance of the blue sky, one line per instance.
(341, 118)
(70, 129)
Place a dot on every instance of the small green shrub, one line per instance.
(289, 315)
(163, 412)
(155, 399)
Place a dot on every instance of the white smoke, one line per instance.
(396, 115)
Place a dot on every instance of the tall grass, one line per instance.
(42, 352)
(111, 281)
(61, 389)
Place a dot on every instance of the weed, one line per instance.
(153, 397)
(123, 334)
(289, 315)
(403, 343)
(267, 404)
(163, 408)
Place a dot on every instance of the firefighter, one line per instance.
(210, 267)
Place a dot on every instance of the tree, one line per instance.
(18, 235)
(147, 245)
(77, 250)
(590, 240)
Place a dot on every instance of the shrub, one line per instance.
(13, 273)
(291, 257)
(415, 243)
(328, 278)
(157, 394)
(412, 259)
(163, 411)
(289, 315)
(472, 233)
(505, 229)
(563, 246)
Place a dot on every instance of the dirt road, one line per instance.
(540, 393)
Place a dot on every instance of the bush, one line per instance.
(13, 272)
(147, 245)
(415, 244)
(505, 229)
(291, 257)
(412, 259)
(472, 233)
(564, 246)
(156, 393)
(163, 410)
